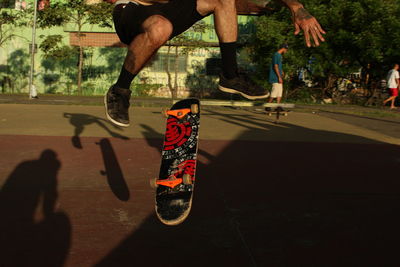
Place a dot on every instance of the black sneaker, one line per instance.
(117, 104)
(242, 85)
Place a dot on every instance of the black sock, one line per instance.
(125, 79)
(228, 56)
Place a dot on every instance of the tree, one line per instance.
(360, 34)
(78, 13)
(9, 20)
(183, 44)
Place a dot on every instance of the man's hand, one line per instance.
(280, 80)
(303, 20)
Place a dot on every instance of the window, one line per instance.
(158, 64)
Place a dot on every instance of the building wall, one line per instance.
(104, 56)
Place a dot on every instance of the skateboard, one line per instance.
(175, 183)
(279, 111)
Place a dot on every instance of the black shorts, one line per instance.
(128, 19)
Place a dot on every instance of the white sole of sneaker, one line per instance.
(232, 91)
(108, 116)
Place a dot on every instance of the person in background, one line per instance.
(276, 74)
(393, 84)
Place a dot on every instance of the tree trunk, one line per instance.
(176, 72)
(80, 67)
(80, 63)
(169, 78)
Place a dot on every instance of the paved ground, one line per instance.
(313, 190)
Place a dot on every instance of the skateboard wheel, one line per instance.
(269, 114)
(194, 108)
(187, 179)
(285, 114)
(153, 183)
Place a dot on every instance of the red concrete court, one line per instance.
(332, 201)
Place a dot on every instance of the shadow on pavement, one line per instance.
(265, 203)
(387, 127)
(115, 177)
(79, 121)
(33, 233)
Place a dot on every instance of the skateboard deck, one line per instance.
(175, 183)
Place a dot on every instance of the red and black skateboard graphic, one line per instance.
(175, 184)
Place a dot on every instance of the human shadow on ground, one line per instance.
(33, 232)
(112, 170)
(332, 201)
(79, 121)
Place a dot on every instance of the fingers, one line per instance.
(297, 31)
(320, 28)
(316, 35)
(307, 37)
(312, 30)
(319, 31)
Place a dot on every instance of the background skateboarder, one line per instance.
(276, 74)
(146, 25)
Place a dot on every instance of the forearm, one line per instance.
(293, 5)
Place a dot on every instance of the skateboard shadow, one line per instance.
(33, 232)
(115, 177)
(79, 121)
(279, 203)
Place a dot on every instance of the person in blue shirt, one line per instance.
(276, 74)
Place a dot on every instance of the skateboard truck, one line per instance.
(172, 181)
(181, 113)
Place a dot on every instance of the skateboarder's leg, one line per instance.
(156, 32)
(225, 21)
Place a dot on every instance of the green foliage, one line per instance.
(79, 14)
(16, 71)
(359, 33)
(7, 3)
(76, 12)
(200, 84)
(9, 19)
(143, 89)
(184, 43)
(53, 48)
(190, 39)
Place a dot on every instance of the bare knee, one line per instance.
(158, 30)
(206, 6)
